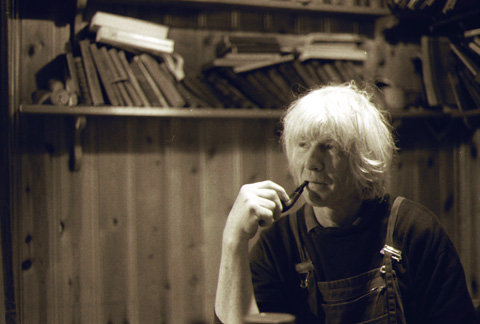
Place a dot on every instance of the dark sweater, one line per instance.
(431, 277)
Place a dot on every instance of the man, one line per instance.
(352, 253)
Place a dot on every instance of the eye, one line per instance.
(303, 144)
(327, 146)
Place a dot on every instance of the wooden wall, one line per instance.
(134, 235)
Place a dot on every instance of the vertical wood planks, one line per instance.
(185, 236)
(148, 168)
(222, 162)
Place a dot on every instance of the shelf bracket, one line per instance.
(76, 153)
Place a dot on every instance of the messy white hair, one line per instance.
(347, 116)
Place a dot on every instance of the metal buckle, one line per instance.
(396, 254)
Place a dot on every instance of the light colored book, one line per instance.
(147, 28)
(333, 51)
(130, 41)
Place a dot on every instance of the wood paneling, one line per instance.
(134, 236)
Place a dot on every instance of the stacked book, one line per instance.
(465, 75)
(134, 67)
(256, 76)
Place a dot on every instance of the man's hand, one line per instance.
(257, 204)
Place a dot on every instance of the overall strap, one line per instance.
(306, 268)
(390, 253)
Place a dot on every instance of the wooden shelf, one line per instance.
(205, 112)
(150, 112)
(298, 5)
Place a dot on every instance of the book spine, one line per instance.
(127, 39)
(160, 99)
(114, 21)
(105, 74)
(133, 80)
(71, 79)
(91, 73)
(84, 96)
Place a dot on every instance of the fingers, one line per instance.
(257, 204)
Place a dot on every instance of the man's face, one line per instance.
(326, 167)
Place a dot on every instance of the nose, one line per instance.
(315, 159)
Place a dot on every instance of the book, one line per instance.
(133, 80)
(462, 52)
(333, 51)
(199, 87)
(105, 74)
(261, 64)
(322, 74)
(125, 87)
(133, 41)
(471, 32)
(308, 80)
(461, 99)
(239, 59)
(247, 88)
(163, 80)
(91, 73)
(117, 78)
(118, 22)
(472, 87)
(332, 73)
(71, 77)
(231, 96)
(474, 46)
(84, 95)
(148, 85)
(267, 88)
(236, 44)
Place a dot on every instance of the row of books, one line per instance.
(451, 70)
(346, 3)
(436, 7)
(465, 77)
(277, 84)
(249, 71)
(106, 75)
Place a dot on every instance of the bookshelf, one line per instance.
(130, 156)
(376, 9)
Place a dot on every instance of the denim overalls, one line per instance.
(370, 297)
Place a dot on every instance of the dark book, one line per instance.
(312, 71)
(200, 88)
(133, 80)
(84, 96)
(354, 71)
(71, 77)
(333, 75)
(437, 62)
(91, 73)
(464, 54)
(124, 85)
(265, 87)
(322, 74)
(247, 44)
(295, 82)
(162, 81)
(146, 82)
(344, 71)
(303, 73)
(231, 96)
(471, 86)
(462, 101)
(105, 75)
(276, 77)
(247, 88)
